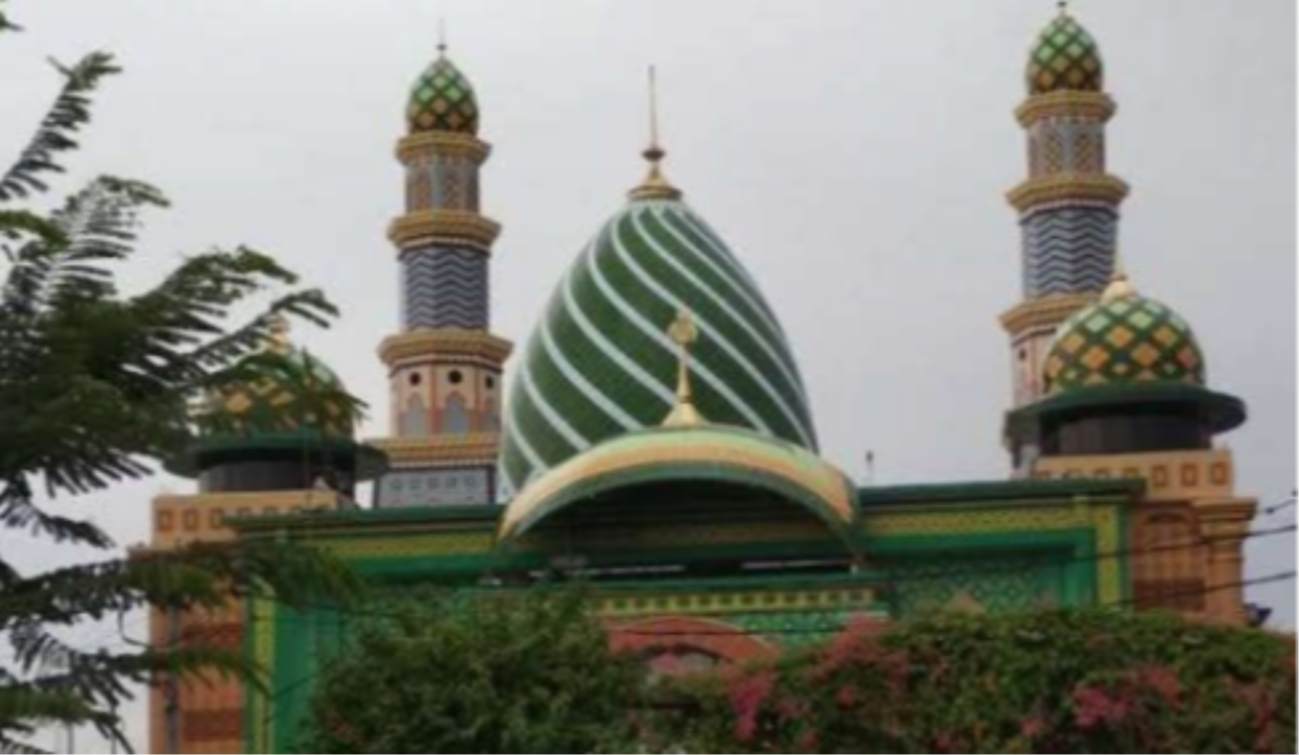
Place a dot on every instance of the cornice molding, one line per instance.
(1066, 186)
(1097, 105)
(1045, 312)
(439, 449)
(456, 227)
(424, 342)
(429, 143)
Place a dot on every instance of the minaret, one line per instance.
(444, 366)
(1068, 205)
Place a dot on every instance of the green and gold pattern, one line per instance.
(600, 364)
(700, 452)
(443, 100)
(292, 391)
(1122, 340)
(1065, 58)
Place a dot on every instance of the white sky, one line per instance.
(854, 154)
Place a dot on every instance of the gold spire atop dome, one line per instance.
(1120, 287)
(655, 186)
(684, 333)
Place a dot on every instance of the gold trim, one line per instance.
(1059, 186)
(425, 342)
(470, 447)
(451, 226)
(1049, 311)
(686, 446)
(1096, 105)
(429, 143)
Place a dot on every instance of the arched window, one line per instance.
(414, 418)
(455, 417)
(1169, 563)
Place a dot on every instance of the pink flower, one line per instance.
(747, 696)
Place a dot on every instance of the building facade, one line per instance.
(658, 440)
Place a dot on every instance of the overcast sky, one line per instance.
(854, 154)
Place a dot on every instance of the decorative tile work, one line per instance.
(599, 363)
(1065, 58)
(1068, 250)
(988, 584)
(443, 100)
(444, 287)
(1127, 339)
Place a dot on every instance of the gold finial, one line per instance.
(1119, 287)
(655, 186)
(684, 333)
(442, 36)
(278, 334)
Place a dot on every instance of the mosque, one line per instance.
(657, 438)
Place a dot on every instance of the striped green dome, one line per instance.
(600, 363)
(443, 100)
(1065, 58)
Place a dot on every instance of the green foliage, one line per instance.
(485, 673)
(1086, 681)
(94, 385)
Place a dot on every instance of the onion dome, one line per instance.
(656, 473)
(1126, 349)
(1123, 338)
(284, 401)
(1065, 58)
(442, 100)
(597, 363)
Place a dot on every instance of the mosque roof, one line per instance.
(1126, 350)
(704, 453)
(442, 99)
(1123, 338)
(1065, 58)
(598, 363)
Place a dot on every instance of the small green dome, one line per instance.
(443, 100)
(1065, 58)
(292, 392)
(1123, 339)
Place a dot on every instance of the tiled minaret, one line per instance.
(1068, 205)
(444, 366)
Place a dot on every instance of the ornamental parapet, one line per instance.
(1048, 311)
(1061, 187)
(448, 449)
(428, 143)
(474, 345)
(1096, 105)
(457, 227)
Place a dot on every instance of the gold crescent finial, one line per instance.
(684, 333)
(1119, 286)
(655, 186)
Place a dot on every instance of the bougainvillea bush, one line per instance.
(1085, 681)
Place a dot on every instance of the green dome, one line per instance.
(1065, 58)
(443, 100)
(609, 475)
(600, 364)
(290, 392)
(1123, 339)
